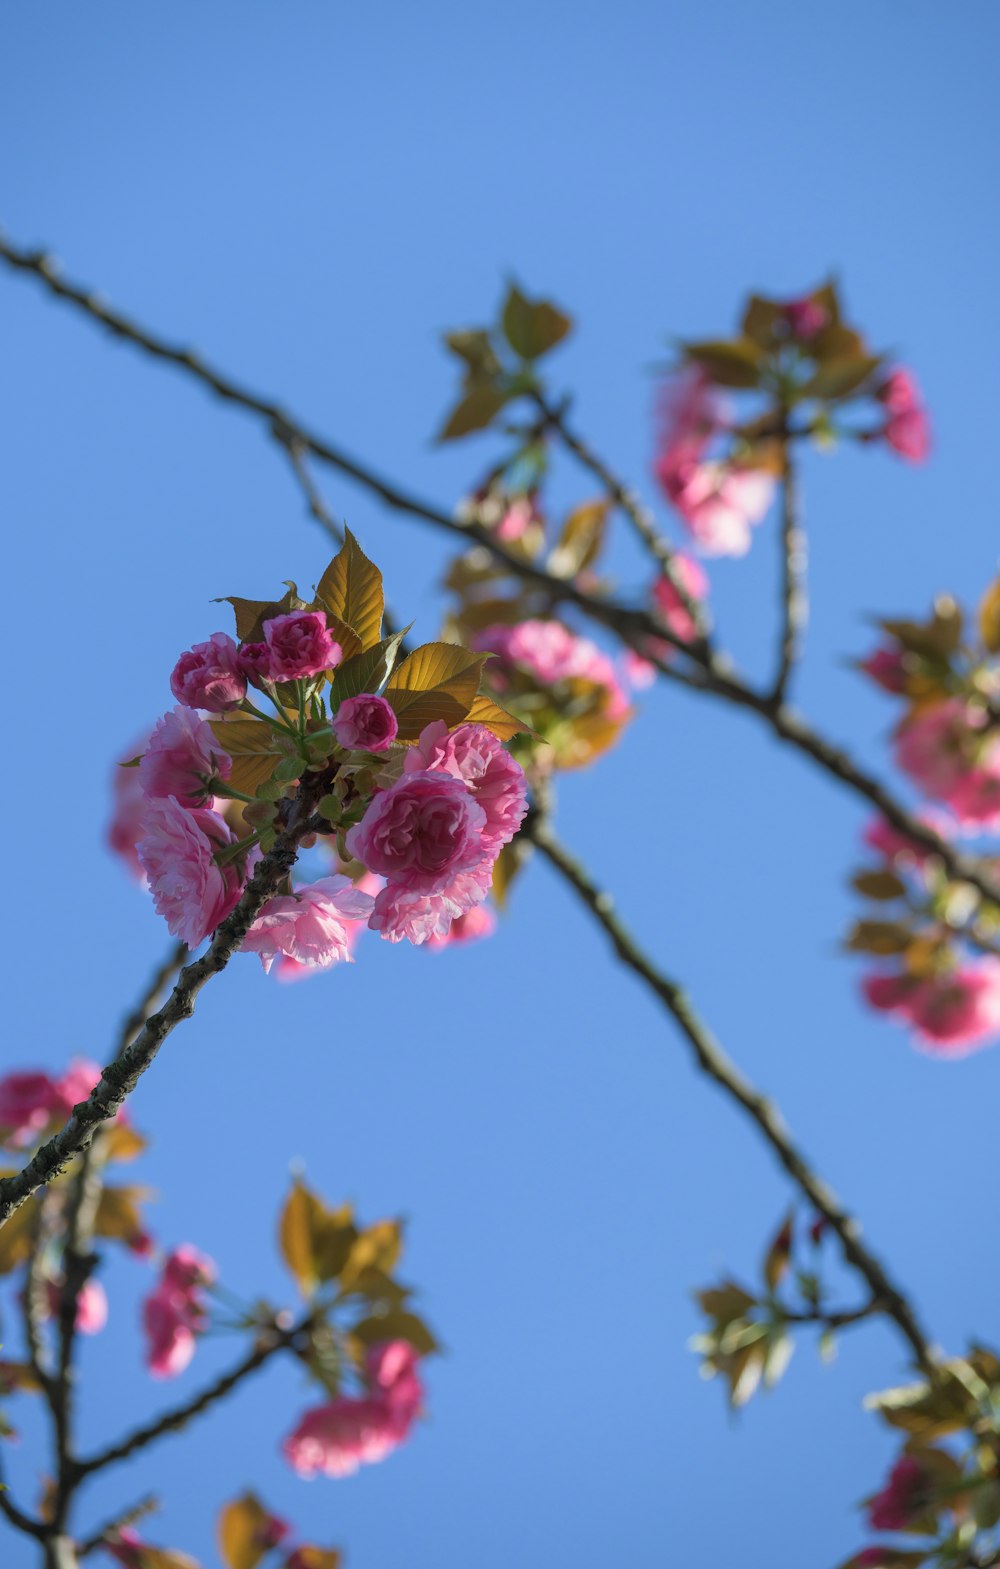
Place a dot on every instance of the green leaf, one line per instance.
(367, 671)
(880, 937)
(437, 681)
(841, 378)
(350, 590)
(924, 1411)
(397, 1324)
(253, 747)
(475, 348)
(760, 319)
(376, 1248)
(532, 327)
(239, 1532)
(475, 410)
(734, 362)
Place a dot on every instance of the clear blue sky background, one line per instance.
(310, 192)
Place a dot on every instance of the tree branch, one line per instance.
(137, 1511)
(120, 1077)
(794, 594)
(713, 1061)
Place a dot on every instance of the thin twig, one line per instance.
(138, 1511)
(713, 1061)
(120, 1077)
(794, 593)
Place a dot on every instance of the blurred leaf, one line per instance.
(367, 671)
(579, 544)
(924, 1411)
(989, 617)
(726, 1302)
(377, 1247)
(350, 590)
(760, 319)
(240, 1533)
(396, 1325)
(779, 1253)
(475, 410)
(879, 885)
(18, 1376)
(506, 867)
(881, 937)
(841, 378)
(475, 348)
(937, 638)
(503, 725)
(778, 1353)
(437, 681)
(744, 1373)
(120, 1141)
(532, 327)
(890, 1558)
(118, 1215)
(316, 1242)
(732, 362)
(17, 1236)
(308, 1557)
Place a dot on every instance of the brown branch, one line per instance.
(794, 594)
(713, 1061)
(120, 1077)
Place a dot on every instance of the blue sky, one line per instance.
(310, 194)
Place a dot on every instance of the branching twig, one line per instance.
(713, 1061)
(121, 1076)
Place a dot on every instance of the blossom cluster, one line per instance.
(415, 794)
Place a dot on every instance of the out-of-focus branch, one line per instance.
(137, 1511)
(715, 675)
(794, 610)
(713, 1061)
(120, 1077)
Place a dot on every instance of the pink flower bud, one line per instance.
(365, 723)
(254, 660)
(300, 645)
(208, 676)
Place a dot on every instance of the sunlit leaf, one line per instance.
(120, 1141)
(17, 1236)
(377, 1247)
(989, 618)
(732, 362)
(503, 725)
(397, 1324)
(580, 541)
(315, 1241)
(240, 1532)
(351, 590)
(437, 681)
(879, 937)
(118, 1214)
(367, 671)
(880, 885)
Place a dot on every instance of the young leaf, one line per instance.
(367, 671)
(437, 681)
(315, 1241)
(376, 1248)
(241, 1539)
(396, 1325)
(532, 327)
(729, 362)
(309, 1557)
(503, 725)
(989, 618)
(475, 410)
(17, 1236)
(253, 747)
(351, 591)
(118, 1215)
(581, 539)
(880, 885)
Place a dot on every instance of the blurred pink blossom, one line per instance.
(309, 926)
(903, 1499)
(907, 427)
(948, 751)
(28, 1103)
(128, 805)
(552, 653)
(91, 1305)
(951, 1013)
(177, 851)
(182, 758)
(173, 1314)
(336, 1438)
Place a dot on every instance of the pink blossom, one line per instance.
(421, 833)
(949, 753)
(887, 668)
(719, 502)
(904, 1498)
(473, 753)
(254, 662)
(209, 676)
(400, 912)
(518, 518)
(286, 969)
(128, 805)
(309, 926)
(552, 653)
(177, 851)
(691, 576)
(475, 923)
(28, 1103)
(300, 645)
(951, 1013)
(174, 1313)
(907, 428)
(806, 318)
(91, 1305)
(690, 413)
(182, 759)
(365, 723)
(336, 1438)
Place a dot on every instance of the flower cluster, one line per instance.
(806, 367)
(335, 1438)
(403, 762)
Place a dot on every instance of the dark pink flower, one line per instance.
(183, 759)
(300, 645)
(254, 662)
(209, 676)
(365, 723)
(190, 890)
(951, 1013)
(473, 753)
(309, 926)
(336, 1438)
(174, 1313)
(421, 832)
(887, 668)
(907, 428)
(949, 752)
(903, 1499)
(28, 1103)
(91, 1305)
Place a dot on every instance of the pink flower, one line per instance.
(336, 1438)
(254, 662)
(806, 318)
(177, 851)
(421, 833)
(904, 1498)
(28, 1103)
(182, 759)
(887, 668)
(174, 1313)
(399, 912)
(128, 805)
(719, 502)
(473, 753)
(309, 925)
(518, 518)
(300, 645)
(551, 653)
(948, 751)
(91, 1305)
(691, 576)
(951, 1013)
(475, 923)
(690, 412)
(365, 723)
(286, 969)
(76, 1084)
(209, 676)
(907, 428)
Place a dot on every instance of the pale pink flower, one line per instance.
(365, 723)
(690, 412)
(904, 1498)
(208, 675)
(91, 1305)
(421, 832)
(473, 753)
(174, 1313)
(309, 926)
(177, 851)
(951, 1013)
(300, 645)
(948, 752)
(128, 806)
(285, 969)
(719, 502)
(336, 1438)
(28, 1103)
(475, 923)
(400, 912)
(907, 428)
(182, 759)
(551, 653)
